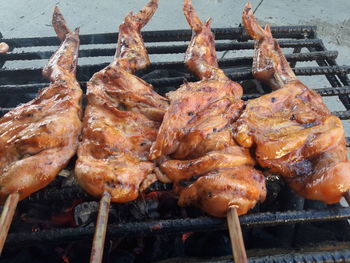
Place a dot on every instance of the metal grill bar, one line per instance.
(238, 61)
(33, 88)
(330, 256)
(85, 72)
(324, 256)
(343, 115)
(170, 49)
(323, 92)
(76, 192)
(244, 74)
(248, 60)
(332, 79)
(67, 193)
(179, 226)
(297, 32)
(24, 88)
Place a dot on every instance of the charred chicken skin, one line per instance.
(196, 134)
(291, 129)
(121, 119)
(38, 138)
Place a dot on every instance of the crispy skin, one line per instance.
(196, 133)
(226, 177)
(291, 129)
(239, 186)
(121, 119)
(38, 138)
(231, 156)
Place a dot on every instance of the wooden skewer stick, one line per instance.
(6, 217)
(347, 197)
(101, 228)
(234, 228)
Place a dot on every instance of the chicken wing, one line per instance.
(121, 119)
(196, 134)
(38, 138)
(291, 129)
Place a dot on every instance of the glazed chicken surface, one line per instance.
(291, 129)
(38, 138)
(196, 134)
(121, 119)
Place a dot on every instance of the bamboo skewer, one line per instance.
(234, 228)
(6, 217)
(101, 228)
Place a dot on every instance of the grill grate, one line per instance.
(341, 255)
(19, 85)
(179, 226)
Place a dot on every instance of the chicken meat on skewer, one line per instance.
(38, 138)
(121, 119)
(291, 130)
(196, 134)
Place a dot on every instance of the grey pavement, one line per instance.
(21, 18)
(32, 18)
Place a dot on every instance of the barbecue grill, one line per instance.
(18, 85)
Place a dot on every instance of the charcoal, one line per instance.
(161, 247)
(85, 213)
(121, 256)
(319, 232)
(33, 254)
(212, 244)
(289, 200)
(262, 238)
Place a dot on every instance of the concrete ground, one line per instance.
(32, 18)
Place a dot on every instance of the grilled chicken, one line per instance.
(4, 47)
(196, 134)
(291, 130)
(38, 138)
(121, 119)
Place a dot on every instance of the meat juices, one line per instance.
(291, 129)
(196, 134)
(121, 119)
(38, 138)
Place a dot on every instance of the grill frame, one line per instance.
(296, 37)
